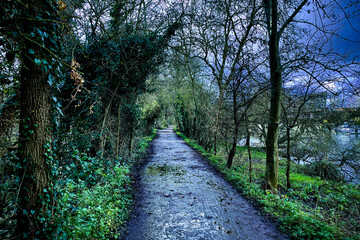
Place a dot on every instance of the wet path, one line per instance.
(180, 197)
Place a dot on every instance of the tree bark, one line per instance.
(102, 130)
(34, 135)
(130, 141)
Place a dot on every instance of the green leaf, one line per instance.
(37, 61)
(59, 110)
(31, 51)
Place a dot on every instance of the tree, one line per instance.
(316, 51)
(295, 114)
(37, 44)
(218, 36)
(244, 89)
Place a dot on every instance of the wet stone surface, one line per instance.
(181, 197)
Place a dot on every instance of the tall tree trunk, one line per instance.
(217, 121)
(236, 133)
(272, 158)
(34, 134)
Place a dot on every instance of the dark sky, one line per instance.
(348, 28)
(350, 32)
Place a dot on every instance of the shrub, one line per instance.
(325, 170)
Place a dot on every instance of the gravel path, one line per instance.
(181, 197)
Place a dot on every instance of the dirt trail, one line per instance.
(181, 197)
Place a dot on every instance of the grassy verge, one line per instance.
(312, 209)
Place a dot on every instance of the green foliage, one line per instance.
(143, 144)
(112, 71)
(183, 115)
(312, 209)
(325, 170)
(93, 198)
(8, 190)
(94, 212)
(83, 168)
(150, 112)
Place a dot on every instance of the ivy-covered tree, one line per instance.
(34, 29)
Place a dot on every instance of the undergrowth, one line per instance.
(312, 209)
(91, 197)
(97, 201)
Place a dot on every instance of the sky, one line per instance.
(349, 33)
(334, 17)
(348, 27)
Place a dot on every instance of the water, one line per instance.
(347, 140)
(344, 142)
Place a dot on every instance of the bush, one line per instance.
(325, 170)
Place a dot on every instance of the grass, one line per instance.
(312, 209)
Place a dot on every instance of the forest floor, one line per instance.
(179, 196)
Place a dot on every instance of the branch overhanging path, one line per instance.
(181, 197)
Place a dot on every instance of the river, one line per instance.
(347, 140)
(343, 142)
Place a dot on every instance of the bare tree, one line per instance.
(280, 17)
(219, 33)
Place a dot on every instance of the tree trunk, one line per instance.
(249, 152)
(217, 122)
(34, 134)
(236, 133)
(103, 125)
(288, 184)
(233, 149)
(130, 141)
(102, 130)
(272, 158)
(118, 130)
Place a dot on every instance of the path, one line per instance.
(181, 197)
